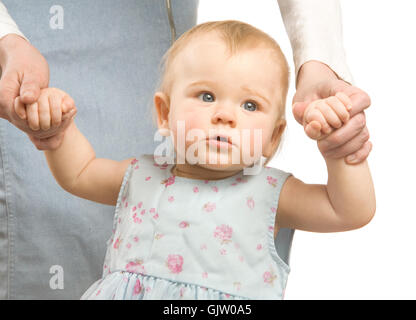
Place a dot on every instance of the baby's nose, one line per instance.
(224, 115)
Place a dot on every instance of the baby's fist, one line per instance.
(48, 112)
(322, 116)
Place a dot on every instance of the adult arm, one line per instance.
(315, 32)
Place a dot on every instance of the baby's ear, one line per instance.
(275, 139)
(162, 104)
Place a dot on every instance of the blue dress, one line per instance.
(181, 238)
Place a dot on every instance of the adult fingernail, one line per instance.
(28, 94)
(351, 158)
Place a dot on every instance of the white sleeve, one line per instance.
(314, 28)
(7, 24)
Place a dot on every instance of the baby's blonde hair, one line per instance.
(237, 36)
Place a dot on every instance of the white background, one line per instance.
(379, 260)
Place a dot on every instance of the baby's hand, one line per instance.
(322, 116)
(48, 112)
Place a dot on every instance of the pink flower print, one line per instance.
(206, 181)
(269, 277)
(183, 224)
(171, 198)
(182, 291)
(148, 289)
(143, 212)
(203, 246)
(167, 182)
(196, 189)
(223, 233)
(134, 161)
(136, 239)
(128, 245)
(137, 287)
(117, 243)
(250, 202)
(148, 178)
(215, 188)
(98, 292)
(136, 167)
(273, 209)
(152, 210)
(238, 180)
(204, 274)
(156, 216)
(134, 208)
(259, 246)
(161, 166)
(272, 181)
(136, 219)
(209, 207)
(135, 266)
(223, 252)
(174, 263)
(139, 205)
(237, 285)
(126, 204)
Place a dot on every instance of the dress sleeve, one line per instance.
(7, 24)
(315, 32)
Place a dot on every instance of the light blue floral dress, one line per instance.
(180, 238)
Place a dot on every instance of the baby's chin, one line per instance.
(224, 166)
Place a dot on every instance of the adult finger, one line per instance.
(342, 135)
(350, 147)
(360, 155)
(48, 143)
(360, 100)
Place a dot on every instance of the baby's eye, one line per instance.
(250, 106)
(206, 97)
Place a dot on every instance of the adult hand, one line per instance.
(24, 72)
(317, 81)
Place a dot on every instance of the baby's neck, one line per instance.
(200, 173)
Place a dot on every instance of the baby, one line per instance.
(198, 228)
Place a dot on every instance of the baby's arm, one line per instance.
(346, 202)
(74, 165)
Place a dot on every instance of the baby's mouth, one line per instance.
(220, 141)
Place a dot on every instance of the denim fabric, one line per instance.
(106, 57)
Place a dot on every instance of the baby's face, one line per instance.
(223, 109)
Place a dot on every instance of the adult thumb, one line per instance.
(298, 108)
(30, 88)
(9, 90)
